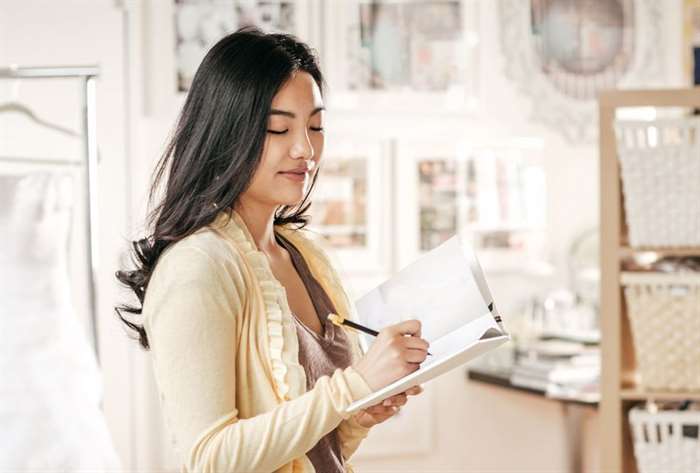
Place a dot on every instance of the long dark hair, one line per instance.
(216, 146)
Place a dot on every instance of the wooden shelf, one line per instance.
(617, 352)
(627, 252)
(636, 394)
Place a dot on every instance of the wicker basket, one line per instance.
(666, 441)
(664, 314)
(660, 167)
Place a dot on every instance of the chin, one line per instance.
(290, 200)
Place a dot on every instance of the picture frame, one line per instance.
(178, 33)
(493, 196)
(691, 41)
(562, 65)
(351, 208)
(438, 70)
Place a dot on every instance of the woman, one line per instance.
(251, 374)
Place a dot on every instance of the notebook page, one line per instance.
(439, 289)
(456, 340)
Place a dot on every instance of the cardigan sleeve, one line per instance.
(350, 435)
(191, 315)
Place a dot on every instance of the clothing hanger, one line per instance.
(17, 107)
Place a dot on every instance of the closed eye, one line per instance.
(282, 132)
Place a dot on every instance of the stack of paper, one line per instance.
(561, 369)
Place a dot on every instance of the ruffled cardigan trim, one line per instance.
(283, 345)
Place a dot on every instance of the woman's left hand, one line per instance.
(390, 406)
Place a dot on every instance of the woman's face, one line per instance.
(293, 145)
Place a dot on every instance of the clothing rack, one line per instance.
(87, 76)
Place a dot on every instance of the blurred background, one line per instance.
(477, 117)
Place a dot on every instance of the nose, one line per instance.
(302, 148)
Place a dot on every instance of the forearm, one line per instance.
(350, 435)
(270, 440)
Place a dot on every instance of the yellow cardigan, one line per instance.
(225, 356)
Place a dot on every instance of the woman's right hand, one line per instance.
(393, 355)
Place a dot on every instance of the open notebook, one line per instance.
(446, 290)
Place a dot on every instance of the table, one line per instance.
(574, 409)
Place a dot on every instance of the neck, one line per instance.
(259, 220)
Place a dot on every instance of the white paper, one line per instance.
(456, 340)
(439, 289)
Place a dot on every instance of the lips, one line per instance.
(294, 175)
(302, 169)
(299, 173)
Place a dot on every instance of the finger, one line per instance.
(388, 412)
(396, 400)
(407, 327)
(415, 356)
(375, 410)
(405, 317)
(400, 401)
(380, 408)
(414, 391)
(416, 343)
(382, 411)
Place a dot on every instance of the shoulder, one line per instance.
(202, 258)
(198, 275)
(307, 241)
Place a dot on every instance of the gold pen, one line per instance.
(338, 320)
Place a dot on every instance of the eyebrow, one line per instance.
(274, 111)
